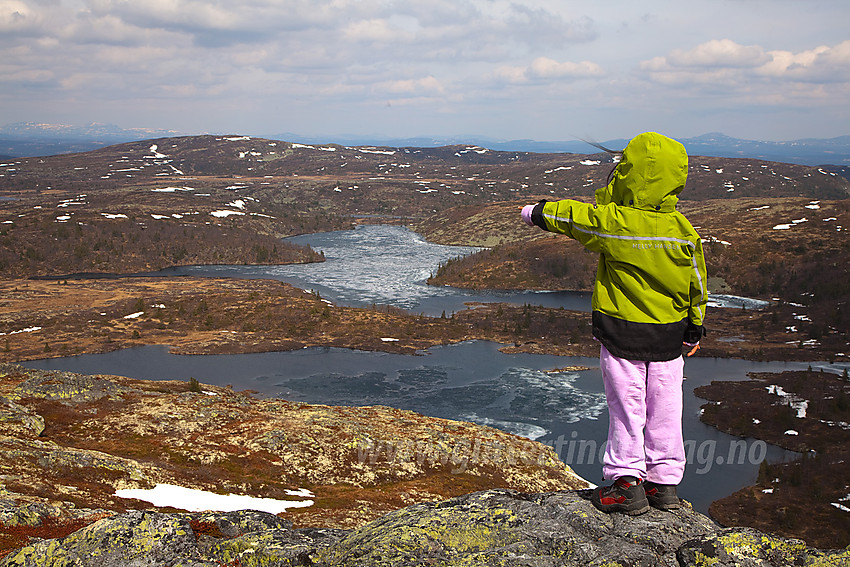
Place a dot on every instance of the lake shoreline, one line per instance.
(802, 411)
(196, 315)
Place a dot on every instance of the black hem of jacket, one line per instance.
(652, 342)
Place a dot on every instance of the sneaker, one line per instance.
(662, 496)
(625, 495)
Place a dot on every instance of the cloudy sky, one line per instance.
(538, 69)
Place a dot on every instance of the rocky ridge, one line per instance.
(488, 528)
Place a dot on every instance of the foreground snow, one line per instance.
(192, 500)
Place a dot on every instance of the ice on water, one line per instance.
(384, 265)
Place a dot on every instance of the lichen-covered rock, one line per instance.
(134, 539)
(832, 559)
(66, 387)
(18, 421)
(273, 547)
(235, 524)
(250, 538)
(49, 456)
(493, 528)
(747, 547)
(502, 527)
(31, 514)
(147, 539)
(22, 510)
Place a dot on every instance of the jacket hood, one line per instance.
(650, 175)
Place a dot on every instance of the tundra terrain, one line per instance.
(771, 231)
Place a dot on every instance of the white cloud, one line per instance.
(22, 76)
(415, 86)
(544, 69)
(378, 30)
(110, 29)
(719, 53)
(821, 64)
(17, 17)
(512, 74)
(739, 66)
(298, 47)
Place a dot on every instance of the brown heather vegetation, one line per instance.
(16, 536)
(792, 499)
(38, 245)
(217, 316)
(545, 264)
(224, 316)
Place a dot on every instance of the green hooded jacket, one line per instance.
(650, 291)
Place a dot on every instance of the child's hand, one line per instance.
(694, 349)
(526, 214)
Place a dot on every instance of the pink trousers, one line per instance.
(645, 412)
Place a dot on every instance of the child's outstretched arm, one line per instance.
(577, 220)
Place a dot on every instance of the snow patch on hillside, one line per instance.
(795, 402)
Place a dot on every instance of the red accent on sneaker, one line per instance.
(607, 500)
(625, 495)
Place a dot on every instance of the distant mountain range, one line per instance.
(28, 139)
(31, 139)
(809, 151)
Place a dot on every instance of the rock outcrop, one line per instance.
(68, 442)
(18, 420)
(490, 528)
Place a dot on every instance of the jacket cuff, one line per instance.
(537, 215)
(693, 334)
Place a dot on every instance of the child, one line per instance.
(648, 299)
